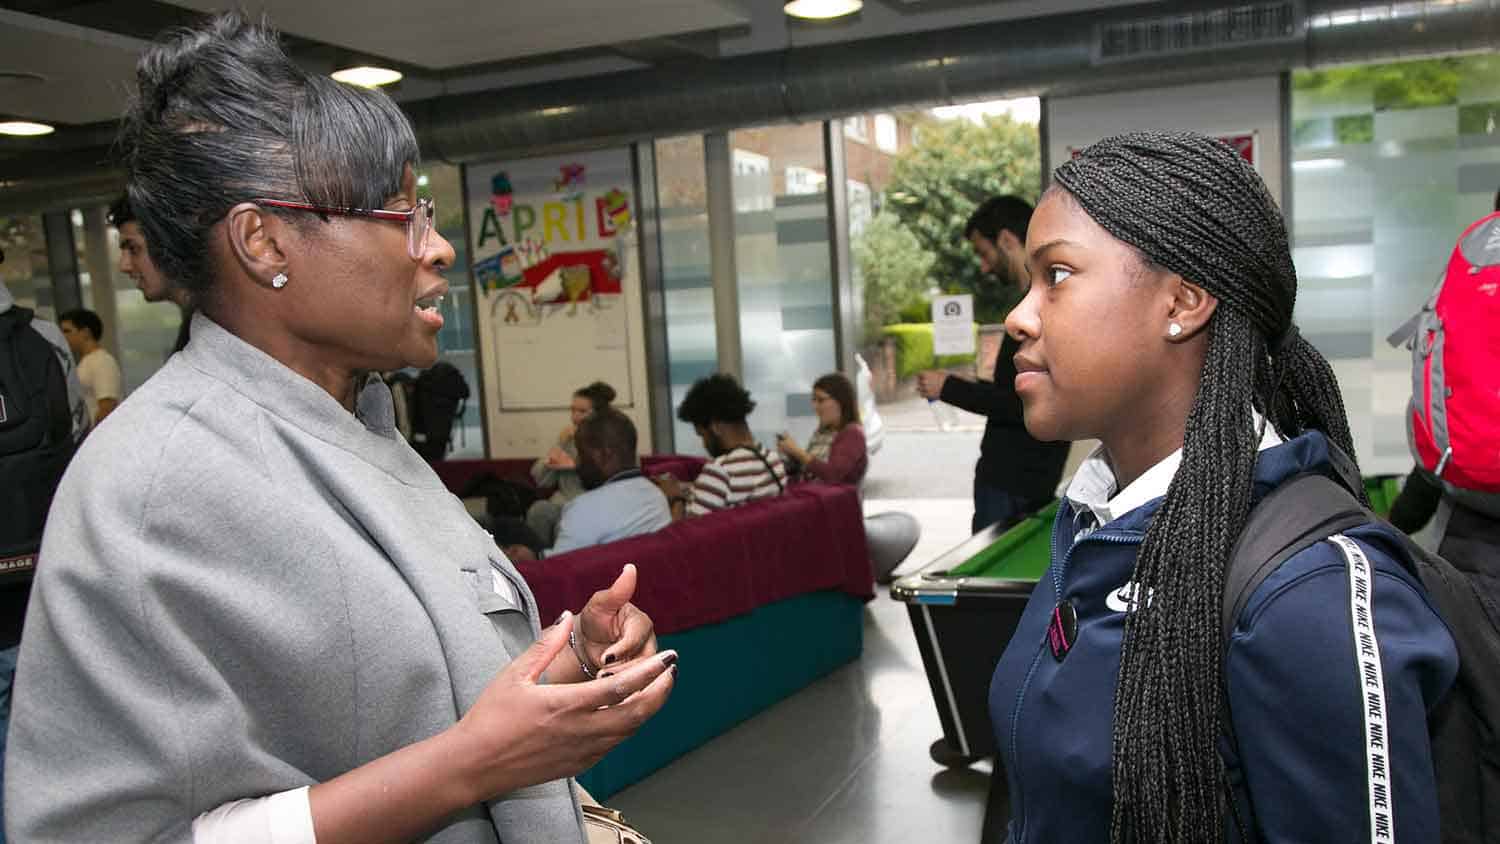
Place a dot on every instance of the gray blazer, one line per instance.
(245, 589)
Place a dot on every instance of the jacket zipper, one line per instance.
(1017, 812)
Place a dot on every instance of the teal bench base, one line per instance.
(729, 672)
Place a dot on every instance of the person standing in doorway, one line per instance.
(135, 261)
(1016, 473)
(98, 371)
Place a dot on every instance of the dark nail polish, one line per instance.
(673, 669)
(609, 659)
(669, 658)
(603, 674)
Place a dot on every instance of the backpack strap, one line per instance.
(1296, 515)
(1300, 513)
(756, 450)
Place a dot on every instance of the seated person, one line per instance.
(619, 501)
(742, 470)
(558, 470)
(836, 452)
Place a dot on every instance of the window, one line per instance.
(1389, 163)
(752, 182)
(686, 267)
(785, 276)
(801, 181)
(861, 207)
(887, 135)
(857, 127)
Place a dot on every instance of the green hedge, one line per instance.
(914, 349)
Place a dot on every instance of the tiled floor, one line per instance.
(845, 760)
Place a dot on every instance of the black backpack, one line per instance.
(438, 398)
(36, 439)
(1465, 726)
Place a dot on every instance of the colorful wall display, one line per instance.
(551, 242)
(554, 253)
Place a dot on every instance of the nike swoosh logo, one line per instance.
(1120, 600)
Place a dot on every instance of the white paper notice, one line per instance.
(953, 325)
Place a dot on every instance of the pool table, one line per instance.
(965, 605)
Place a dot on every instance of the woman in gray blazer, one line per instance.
(259, 616)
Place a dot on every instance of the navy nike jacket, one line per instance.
(1295, 684)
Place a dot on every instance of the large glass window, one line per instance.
(682, 202)
(785, 273)
(908, 196)
(1390, 163)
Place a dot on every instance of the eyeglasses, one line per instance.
(418, 220)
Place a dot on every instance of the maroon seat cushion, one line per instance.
(712, 568)
(456, 475)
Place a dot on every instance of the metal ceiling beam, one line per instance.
(1057, 55)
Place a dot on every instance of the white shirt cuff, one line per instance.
(284, 818)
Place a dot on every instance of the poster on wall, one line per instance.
(1243, 143)
(553, 252)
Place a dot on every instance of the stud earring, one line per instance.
(279, 280)
(1174, 330)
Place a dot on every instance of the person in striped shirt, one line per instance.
(742, 470)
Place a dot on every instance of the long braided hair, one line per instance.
(1193, 206)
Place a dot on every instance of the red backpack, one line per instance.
(1454, 421)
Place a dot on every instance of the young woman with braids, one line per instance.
(1159, 321)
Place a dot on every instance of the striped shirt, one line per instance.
(737, 477)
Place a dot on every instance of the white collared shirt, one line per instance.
(1094, 487)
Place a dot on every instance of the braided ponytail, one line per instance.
(1193, 206)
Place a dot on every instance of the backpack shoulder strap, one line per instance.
(756, 450)
(1296, 515)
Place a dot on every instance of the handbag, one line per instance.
(607, 826)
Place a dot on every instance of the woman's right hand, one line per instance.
(566, 436)
(522, 732)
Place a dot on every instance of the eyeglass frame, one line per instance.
(416, 246)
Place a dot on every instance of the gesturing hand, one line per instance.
(521, 732)
(613, 631)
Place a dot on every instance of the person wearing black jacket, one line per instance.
(1016, 474)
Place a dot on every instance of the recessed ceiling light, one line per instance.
(822, 10)
(366, 76)
(24, 128)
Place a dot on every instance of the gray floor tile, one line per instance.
(843, 760)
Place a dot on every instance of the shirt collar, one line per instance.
(7, 301)
(1094, 486)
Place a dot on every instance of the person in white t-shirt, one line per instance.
(98, 371)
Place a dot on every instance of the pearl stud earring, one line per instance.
(1174, 330)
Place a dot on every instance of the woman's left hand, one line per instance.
(613, 632)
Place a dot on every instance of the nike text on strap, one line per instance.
(1372, 690)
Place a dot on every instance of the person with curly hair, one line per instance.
(741, 470)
